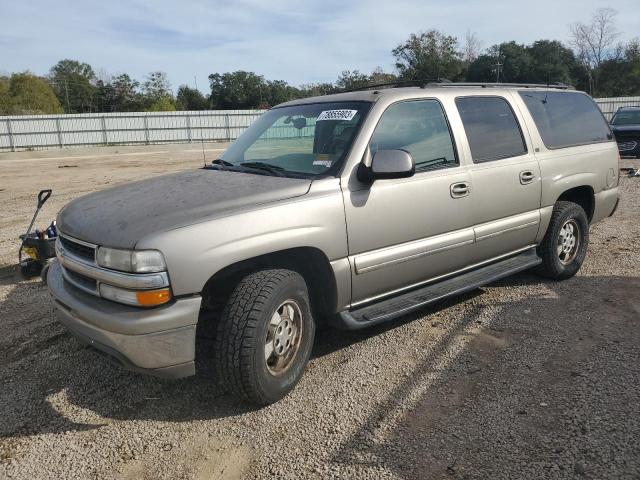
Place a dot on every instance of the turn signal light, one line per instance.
(151, 298)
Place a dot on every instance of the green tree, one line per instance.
(191, 99)
(26, 94)
(73, 85)
(621, 76)
(352, 80)
(379, 76)
(544, 61)
(429, 55)
(4, 95)
(156, 86)
(162, 104)
(279, 91)
(315, 89)
(237, 90)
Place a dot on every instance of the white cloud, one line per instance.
(297, 41)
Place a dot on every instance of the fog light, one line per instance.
(138, 298)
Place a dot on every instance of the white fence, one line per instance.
(610, 105)
(40, 132)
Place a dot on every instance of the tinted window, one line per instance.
(626, 117)
(491, 127)
(419, 127)
(566, 119)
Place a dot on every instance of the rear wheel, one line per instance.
(564, 246)
(265, 335)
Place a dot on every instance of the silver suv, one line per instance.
(352, 209)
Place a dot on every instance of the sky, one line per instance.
(297, 41)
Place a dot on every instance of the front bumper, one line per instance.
(158, 341)
(629, 147)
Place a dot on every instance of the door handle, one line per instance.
(460, 189)
(527, 177)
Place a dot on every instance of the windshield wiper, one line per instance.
(267, 167)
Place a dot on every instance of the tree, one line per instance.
(315, 89)
(379, 76)
(236, 90)
(594, 42)
(73, 85)
(430, 55)
(191, 99)
(156, 86)
(352, 80)
(544, 61)
(4, 95)
(26, 94)
(507, 62)
(162, 104)
(471, 48)
(279, 91)
(621, 76)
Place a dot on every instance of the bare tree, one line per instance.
(595, 42)
(471, 48)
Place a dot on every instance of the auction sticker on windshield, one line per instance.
(337, 115)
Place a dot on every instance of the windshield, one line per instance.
(626, 117)
(308, 140)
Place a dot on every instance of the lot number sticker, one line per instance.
(337, 115)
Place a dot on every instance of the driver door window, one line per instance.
(419, 127)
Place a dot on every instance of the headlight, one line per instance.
(139, 298)
(133, 261)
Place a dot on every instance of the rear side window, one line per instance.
(566, 119)
(491, 127)
(419, 127)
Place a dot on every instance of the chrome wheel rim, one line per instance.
(283, 337)
(568, 242)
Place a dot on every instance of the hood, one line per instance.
(120, 216)
(625, 128)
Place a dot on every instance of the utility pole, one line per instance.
(498, 65)
(66, 90)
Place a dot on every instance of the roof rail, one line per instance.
(447, 83)
(557, 85)
(396, 84)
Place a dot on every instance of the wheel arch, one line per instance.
(582, 195)
(310, 262)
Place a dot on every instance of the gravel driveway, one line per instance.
(522, 379)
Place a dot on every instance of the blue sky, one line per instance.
(297, 41)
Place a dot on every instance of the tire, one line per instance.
(258, 307)
(559, 260)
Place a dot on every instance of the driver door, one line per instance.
(405, 231)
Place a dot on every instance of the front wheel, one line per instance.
(564, 246)
(265, 335)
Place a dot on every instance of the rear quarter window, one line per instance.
(566, 119)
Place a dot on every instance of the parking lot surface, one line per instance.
(525, 378)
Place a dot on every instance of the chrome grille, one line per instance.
(626, 146)
(81, 250)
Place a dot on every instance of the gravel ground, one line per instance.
(522, 379)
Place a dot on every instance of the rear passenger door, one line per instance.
(505, 177)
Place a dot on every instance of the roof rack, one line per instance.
(447, 83)
(557, 85)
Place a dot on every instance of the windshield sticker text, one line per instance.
(337, 115)
(324, 163)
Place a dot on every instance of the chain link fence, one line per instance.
(41, 132)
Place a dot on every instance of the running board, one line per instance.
(402, 304)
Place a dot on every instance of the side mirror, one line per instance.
(387, 164)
